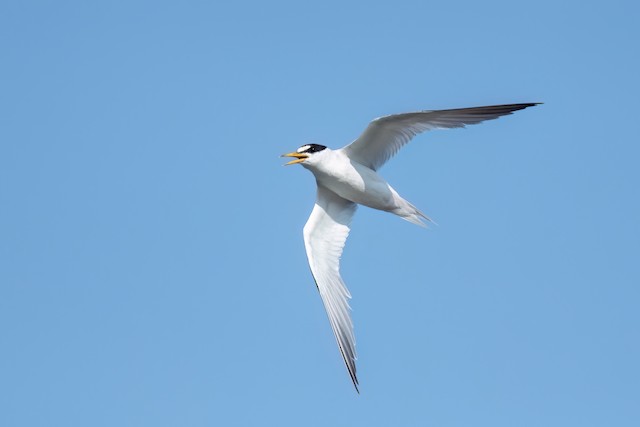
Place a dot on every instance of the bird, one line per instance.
(348, 177)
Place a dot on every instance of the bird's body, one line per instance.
(357, 183)
(348, 177)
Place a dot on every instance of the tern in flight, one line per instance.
(349, 177)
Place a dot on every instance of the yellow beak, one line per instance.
(299, 158)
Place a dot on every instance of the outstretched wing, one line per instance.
(324, 236)
(384, 136)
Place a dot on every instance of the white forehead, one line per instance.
(303, 148)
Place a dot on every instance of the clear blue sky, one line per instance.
(152, 270)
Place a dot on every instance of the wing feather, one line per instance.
(325, 234)
(384, 136)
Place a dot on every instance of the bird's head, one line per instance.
(307, 153)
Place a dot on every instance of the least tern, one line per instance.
(348, 177)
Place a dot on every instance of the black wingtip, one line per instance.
(501, 110)
(531, 104)
(515, 107)
(352, 374)
(526, 105)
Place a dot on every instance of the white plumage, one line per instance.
(348, 177)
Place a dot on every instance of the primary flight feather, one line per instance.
(348, 177)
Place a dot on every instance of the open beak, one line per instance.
(299, 158)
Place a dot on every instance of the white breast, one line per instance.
(353, 181)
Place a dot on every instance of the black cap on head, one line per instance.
(311, 148)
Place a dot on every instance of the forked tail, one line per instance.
(410, 213)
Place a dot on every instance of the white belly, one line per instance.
(357, 183)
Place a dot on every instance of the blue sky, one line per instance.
(152, 269)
